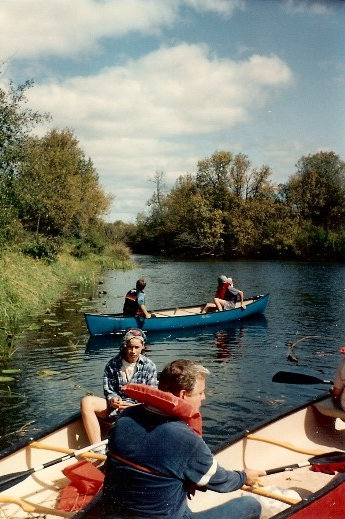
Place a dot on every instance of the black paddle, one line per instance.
(297, 378)
(10, 480)
(320, 459)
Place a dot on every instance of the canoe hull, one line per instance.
(289, 439)
(173, 319)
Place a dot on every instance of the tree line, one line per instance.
(49, 190)
(50, 194)
(228, 209)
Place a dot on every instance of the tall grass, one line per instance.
(28, 286)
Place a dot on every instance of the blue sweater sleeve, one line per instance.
(203, 470)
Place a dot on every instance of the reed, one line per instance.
(29, 286)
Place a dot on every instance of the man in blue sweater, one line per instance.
(154, 459)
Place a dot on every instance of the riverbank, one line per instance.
(30, 286)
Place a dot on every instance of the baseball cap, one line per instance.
(134, 333)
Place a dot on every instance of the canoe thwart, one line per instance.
(90, 455)
(266, 493)
(286, 445)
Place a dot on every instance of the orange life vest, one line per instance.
(167, 403)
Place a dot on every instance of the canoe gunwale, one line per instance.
(243, 434)
(21, 444)
(304, 503)
(99, 324)
(171, 308)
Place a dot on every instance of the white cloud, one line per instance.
(139, 118)
(65, 28)
(43, 28)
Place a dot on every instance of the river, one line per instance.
(59, 363)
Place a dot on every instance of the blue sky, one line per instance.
(156, 85)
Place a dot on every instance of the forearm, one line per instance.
(145, 312)
(227, 480)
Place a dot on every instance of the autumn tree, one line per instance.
(317, 190)
(57, 188)
(16, 123)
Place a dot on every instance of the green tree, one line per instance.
(213, 179)
(317, 190)
(16, 122)
(57, 188)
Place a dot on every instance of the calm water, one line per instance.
(59, 362)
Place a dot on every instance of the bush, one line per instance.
(41, 247)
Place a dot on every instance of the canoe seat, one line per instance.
(328, 408)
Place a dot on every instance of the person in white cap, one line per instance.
(225, 297)
(128, 366)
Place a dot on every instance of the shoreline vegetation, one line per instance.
(30, 286)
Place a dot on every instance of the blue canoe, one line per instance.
(173, 318)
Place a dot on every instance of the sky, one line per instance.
(153, 86)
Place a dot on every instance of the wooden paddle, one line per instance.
(10, 480)
(321, 459)
(288, 377)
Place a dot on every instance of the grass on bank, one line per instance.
(29, 286)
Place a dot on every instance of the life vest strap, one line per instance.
(136, 465)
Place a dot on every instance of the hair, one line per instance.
(132, 333)
(181, 374)
(141, 284)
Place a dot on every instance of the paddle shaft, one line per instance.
(10, 480)
(287, 468)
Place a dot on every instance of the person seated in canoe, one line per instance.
(130, 365)
(156, 459)
(134, 305)
(225, 297)
(337, 391)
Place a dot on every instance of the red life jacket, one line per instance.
(167, 403)
(221, 291)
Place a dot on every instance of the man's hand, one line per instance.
(253, 476)
(115, 402)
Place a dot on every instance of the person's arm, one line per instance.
(339, 381)
(204, 471)
(240, 293)
(145, 312)
(141, 303)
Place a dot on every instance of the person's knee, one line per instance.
(253, 506)
(87, 405)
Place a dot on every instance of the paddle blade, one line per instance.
(321, 459)
(287, 377)
(328, 457)
(10, 480)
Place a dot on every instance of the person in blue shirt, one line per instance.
(130, 365)
(134, 305)
(154, 459)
